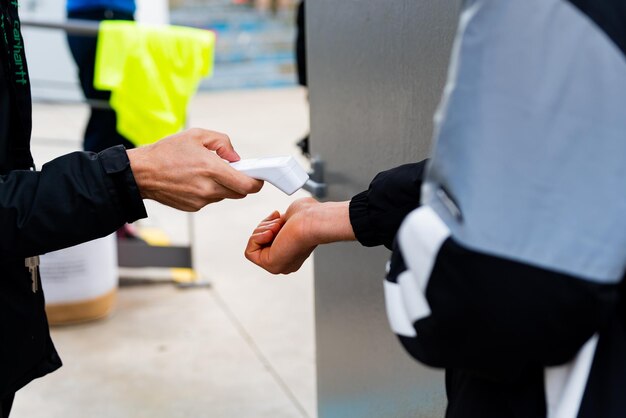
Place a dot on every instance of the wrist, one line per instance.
(330, 222)
(141, 169)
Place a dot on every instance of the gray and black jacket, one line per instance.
(510, 272)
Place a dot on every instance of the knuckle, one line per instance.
(273, 270)
(209, 170)
(253, 186)
(195, 207)
(196, 133)
(221, 136)
(208, 174)
(198, 204)
(207, 192)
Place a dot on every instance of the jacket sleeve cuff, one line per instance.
(360, 220)
(376, 214)
(122, 184)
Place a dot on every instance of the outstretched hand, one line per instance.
(189, 170)
(281, 243)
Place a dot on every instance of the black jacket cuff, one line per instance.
(364, 232)
(122, 185)
(377, 213)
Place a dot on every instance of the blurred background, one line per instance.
(255, 47)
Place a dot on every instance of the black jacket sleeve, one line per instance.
(75, 198)
(376, 214)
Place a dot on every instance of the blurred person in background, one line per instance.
(300, 49)
(101, 131)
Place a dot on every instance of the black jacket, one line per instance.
(495, 324)
(73, 199)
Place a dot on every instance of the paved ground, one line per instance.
(241, 348)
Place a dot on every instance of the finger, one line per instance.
(272, 216)
(275, 227)
(268, 224)
(215, 191)
(272, 222)
(211, 201)
(237, 196)
(256, 242)
(235, 180)
(263, 238)
(220, 143)
(193, 205)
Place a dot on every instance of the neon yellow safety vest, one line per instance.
(152, 72)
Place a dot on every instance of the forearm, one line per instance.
(330, 222)
(75, 198)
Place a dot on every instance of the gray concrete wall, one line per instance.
(376, 74)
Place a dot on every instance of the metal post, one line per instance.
(71, 26)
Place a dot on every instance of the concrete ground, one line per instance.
(243, 347)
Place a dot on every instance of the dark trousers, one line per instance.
(301, 45)
(101, 132)
(5, 406)
(471, 395)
